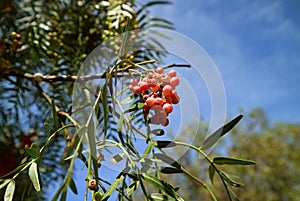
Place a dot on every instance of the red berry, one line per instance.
(174, 81)
(150, 101)
(167, 90)
(165, 122)
(155, 89)
(172, 73)
(159, 101)
(175, 97)
(168, 108)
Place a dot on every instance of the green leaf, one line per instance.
(33, 150)
(232, 194)
(132, 187)
(104, 99)
(160, 197)
(34, 176)
(73, 186)
(230, 181)
(113, 186)
(47, 128)
(215, 136)
(54, 115)
(162, 185)
(211, 172)
(167, 160)
(9, 192)
(165, 144)
(158, 132)
(232, 161)
(170, 170)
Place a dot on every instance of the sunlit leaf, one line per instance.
(9, 192)
(160, 197)
(132, 187)
(113, 186)
(34, 176)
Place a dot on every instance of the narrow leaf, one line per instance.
(232, 194)
(211, 172)
(54, 115)
(214, 137)
(34, 176)
(160, 197)
(162, 185)
(47, 128)
(165, 144)
(232, 161)
(73, 186)
(113, 187)
(167, 160)
(132, 187)
(230, 181)
(9, 192)
(170, 170)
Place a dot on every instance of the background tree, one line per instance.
(274, 146)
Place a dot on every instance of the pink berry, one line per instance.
(172, 73)
(168, 108)
(155, 119)
(134, 82)
(159, 70)
(152, 82)
(174, 81)
(144, 86)
(137, 90)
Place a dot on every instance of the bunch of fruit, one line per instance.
(158, 90)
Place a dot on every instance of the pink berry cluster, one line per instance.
(158, 90)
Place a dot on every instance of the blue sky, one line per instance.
(254, 44)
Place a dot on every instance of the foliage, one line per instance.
(42, 47)
(273, 146)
